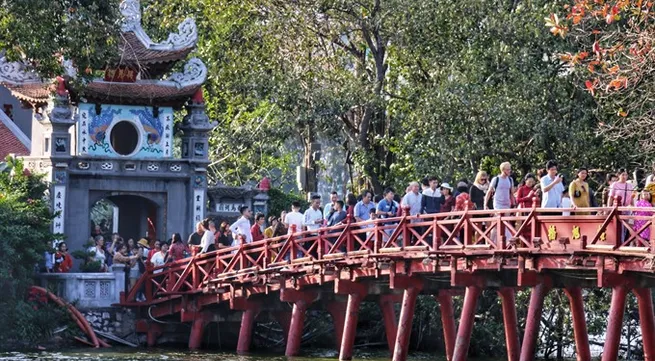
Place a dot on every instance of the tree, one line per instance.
(44, 32)
(612, 54)
(25, 236)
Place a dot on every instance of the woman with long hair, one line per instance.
(579, 191)
(479, 189)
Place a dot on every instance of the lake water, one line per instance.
(117, 354)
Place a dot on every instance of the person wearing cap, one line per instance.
(449, 201)
(143, 243)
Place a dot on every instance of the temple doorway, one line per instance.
(131, 216)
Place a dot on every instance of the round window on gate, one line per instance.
(124, 137)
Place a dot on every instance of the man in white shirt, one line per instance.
(413, 199)
(294, 218)
(313, 216)
(159, 258)
(334, 197)
(208, 236)
(552, 187)
(242, 227)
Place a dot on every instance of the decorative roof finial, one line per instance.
(131, 11)
(198, 97)
(61, 87)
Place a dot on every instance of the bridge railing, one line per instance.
(472, 231)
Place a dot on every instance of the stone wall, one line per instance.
(114, 320)
(87, 290)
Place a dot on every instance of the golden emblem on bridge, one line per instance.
(603, 236)
(575, 234)
(552, 233)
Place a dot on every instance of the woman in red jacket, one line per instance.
(528, 191)
(63, 260)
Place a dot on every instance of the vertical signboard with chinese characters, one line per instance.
(198, 205)
(166, 118)
(59, 207)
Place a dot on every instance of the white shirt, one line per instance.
(157, 260)
(241, 227)
(566, 203)
(296, 218)
(413, 201)
(207, 239)
(311, 216)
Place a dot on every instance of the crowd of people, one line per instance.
(547, 187)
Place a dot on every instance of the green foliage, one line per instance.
(88, 263)
(43, 31)
(24, 237)
(281, 201)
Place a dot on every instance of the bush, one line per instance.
(25, 236)
(280, 201)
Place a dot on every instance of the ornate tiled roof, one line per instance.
(137, 47)
(175, 90)
(137, 51)
(12, 140)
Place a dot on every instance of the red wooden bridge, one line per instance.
(396, 259)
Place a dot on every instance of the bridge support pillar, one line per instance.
(356, 293)
(301, 301)
(350, 329)
(245, 332)
(154, 331)
(412, 287)
(466, 323)
(445, 299)
(197, 331)
(337, 310)
(574, 295)
(535, 310)
(615, 323)
(646, 321)
(389, 316)
(508, 301)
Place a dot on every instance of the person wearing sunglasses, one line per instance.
(479, 189)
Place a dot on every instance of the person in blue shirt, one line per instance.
(387, 207)
(363, 207)
(337, 215)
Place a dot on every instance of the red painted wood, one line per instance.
(405, 324)
(466, 323)
(445, 300)
(647, 323)
(350, 329)
(390, 321)
(615, 323)
(508, 302)
(535, 309)
(295, 328)
(245, 332)
(574, 295)
(197, 331)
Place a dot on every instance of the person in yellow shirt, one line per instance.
(579, 191)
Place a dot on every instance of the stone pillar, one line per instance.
(57, 147)
(195, 148)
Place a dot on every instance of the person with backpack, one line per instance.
(501, 189)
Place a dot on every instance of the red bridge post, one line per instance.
(250, 311)
(356, 293)
(508, 301)
(615, 323)
(574, 295)
(337, 310)
(445, 300)
(301, 301)
(412, 287)
(466, 323)
(389, 316)
(533, 320)
(646, 321)
(197, 331)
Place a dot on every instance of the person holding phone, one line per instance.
(552, 187)
(579, 191)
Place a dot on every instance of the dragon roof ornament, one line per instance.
(186, 36)
(17, 72)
